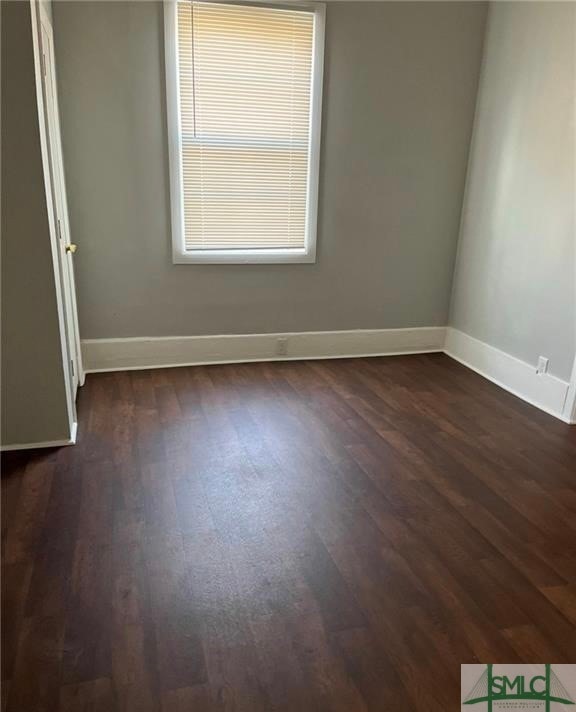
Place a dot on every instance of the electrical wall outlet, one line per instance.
(542, 366)
(282, 346)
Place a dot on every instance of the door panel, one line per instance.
(65, 247)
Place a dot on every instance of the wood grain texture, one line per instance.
(300, 537)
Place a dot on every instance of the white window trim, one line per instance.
(249, 256)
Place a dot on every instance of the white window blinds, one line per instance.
(245, 83)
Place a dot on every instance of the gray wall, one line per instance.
(515, 279)
(399, 96)
(33, 393)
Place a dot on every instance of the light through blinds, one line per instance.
(245, 83)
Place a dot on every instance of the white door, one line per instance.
(66, 248)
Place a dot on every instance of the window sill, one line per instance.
(244, 257)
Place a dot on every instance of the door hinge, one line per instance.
(43, 63)
(59, 227)
(72, 367)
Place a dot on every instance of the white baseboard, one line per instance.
(47, 443)
(141, 353)
(569, 412)
(545, 391)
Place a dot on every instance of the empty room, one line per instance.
(288, 356)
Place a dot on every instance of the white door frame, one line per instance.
(65, 227)
(59, 239)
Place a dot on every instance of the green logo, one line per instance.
(546, 689)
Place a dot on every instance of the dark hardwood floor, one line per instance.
(298, 537)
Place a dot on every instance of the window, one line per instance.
(244, 86)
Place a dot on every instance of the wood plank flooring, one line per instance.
(294, 537)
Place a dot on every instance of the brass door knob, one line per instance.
(71, 248)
